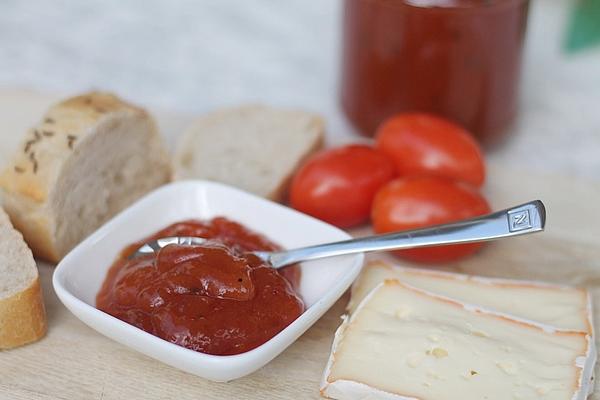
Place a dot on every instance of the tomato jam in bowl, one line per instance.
(307, 290)
(216, 298)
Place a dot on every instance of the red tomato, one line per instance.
(409, 203)
(338, 185)
(423, 144)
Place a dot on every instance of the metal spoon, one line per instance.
(526, 218)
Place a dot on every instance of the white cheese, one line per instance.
(405, 343)
(559, 306)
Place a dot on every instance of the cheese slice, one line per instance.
(563, 307)
(403, 343)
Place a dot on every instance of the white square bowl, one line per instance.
(80, 274)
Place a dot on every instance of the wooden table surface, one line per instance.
(75, 362)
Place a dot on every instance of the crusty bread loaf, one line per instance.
(89, 157)
(255, 148)
(22, 315)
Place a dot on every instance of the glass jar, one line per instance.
(457, 58)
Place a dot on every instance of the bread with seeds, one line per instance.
(89, 157)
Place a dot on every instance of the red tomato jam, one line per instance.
(215, 298)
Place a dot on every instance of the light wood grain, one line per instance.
(75, 362)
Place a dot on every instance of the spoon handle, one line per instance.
(526, 218)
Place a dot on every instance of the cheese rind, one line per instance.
(560, 306)
(404, 343)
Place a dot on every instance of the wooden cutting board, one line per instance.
(75, 362)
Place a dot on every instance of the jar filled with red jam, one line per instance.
(459, 59)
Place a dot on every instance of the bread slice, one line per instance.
(405, 343)
(560, 306)
(89, 157)
(255, 148)
(22, 315)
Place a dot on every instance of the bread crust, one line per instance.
(32, 173)
(22, 317)
(30, 180)
(34, 227)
